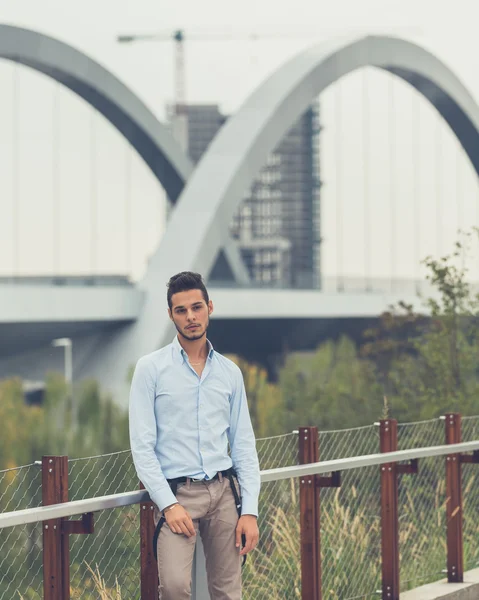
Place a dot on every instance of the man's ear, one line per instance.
(210, 307)
(170, 315)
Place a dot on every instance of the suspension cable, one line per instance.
(415, 154)
(15, 171)
(93, 195)
(366, 178)
(56, 196)
(128, 190)
(339, 219)
(459, 198)
(459, 194)
(392, 178)
(438, 179)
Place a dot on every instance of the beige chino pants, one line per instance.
(212, 508)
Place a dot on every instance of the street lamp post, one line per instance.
(66, 344)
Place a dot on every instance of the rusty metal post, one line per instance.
(148, 567)
(455, 564)
(56, 547)
(389, 513)
(309, 517)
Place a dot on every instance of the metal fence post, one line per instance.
(199, 580)
(56, 547)
(455, 564)
(389, 513)
(309, 517)
(148, 566)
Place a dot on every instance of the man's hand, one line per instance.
(179, 521)
(247, 525)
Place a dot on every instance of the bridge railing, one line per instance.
(329, 284)
(114, 549)
(349, 285)
(353, 535)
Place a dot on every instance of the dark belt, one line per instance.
(229, 473)
(178, 480)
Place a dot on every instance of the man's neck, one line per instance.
(196, 349)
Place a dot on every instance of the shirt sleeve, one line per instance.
(142, 426)
(243, 448)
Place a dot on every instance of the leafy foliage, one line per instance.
(418, 365)
(28, 432)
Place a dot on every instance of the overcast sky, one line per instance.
(226, 73)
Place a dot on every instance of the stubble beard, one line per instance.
(193, 337)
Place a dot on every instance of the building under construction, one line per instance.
(277, 226)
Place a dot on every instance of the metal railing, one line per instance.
(349, 284)
(330, 284)
(115, 547)
(355, 546)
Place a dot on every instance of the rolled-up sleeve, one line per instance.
(243, 448)
(143, 434)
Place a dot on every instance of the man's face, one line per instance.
(190, 314)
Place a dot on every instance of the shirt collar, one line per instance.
(179, 351)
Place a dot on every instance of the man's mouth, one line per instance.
(192, 327)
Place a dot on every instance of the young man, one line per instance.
(187, 403)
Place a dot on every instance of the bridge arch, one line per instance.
(105, 92)
(242, 145)
(232, 161)
(117, 103)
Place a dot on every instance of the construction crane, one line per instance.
(180, 77)
(180, 105)
(179, 37)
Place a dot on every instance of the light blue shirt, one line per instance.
(181, 424)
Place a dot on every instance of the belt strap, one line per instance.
(159, 525)
(230, 473)
(238, 506)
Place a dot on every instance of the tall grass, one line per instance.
(103, 590)
(100, 587)
(351, 543)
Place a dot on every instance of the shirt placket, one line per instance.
(202, 426)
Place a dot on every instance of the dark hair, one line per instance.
(183, 282)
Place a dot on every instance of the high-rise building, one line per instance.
(277, 224)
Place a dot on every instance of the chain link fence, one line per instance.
(21, 546)
(274, 569)
(350, 525)
(421, 508)
(470, 494)
(113, 551)
(350, 518)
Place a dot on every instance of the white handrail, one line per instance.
(368, 460)
(77, 507)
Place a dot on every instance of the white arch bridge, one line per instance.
(112, 322)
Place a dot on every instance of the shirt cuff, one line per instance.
(163, 498)
(249, 507)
